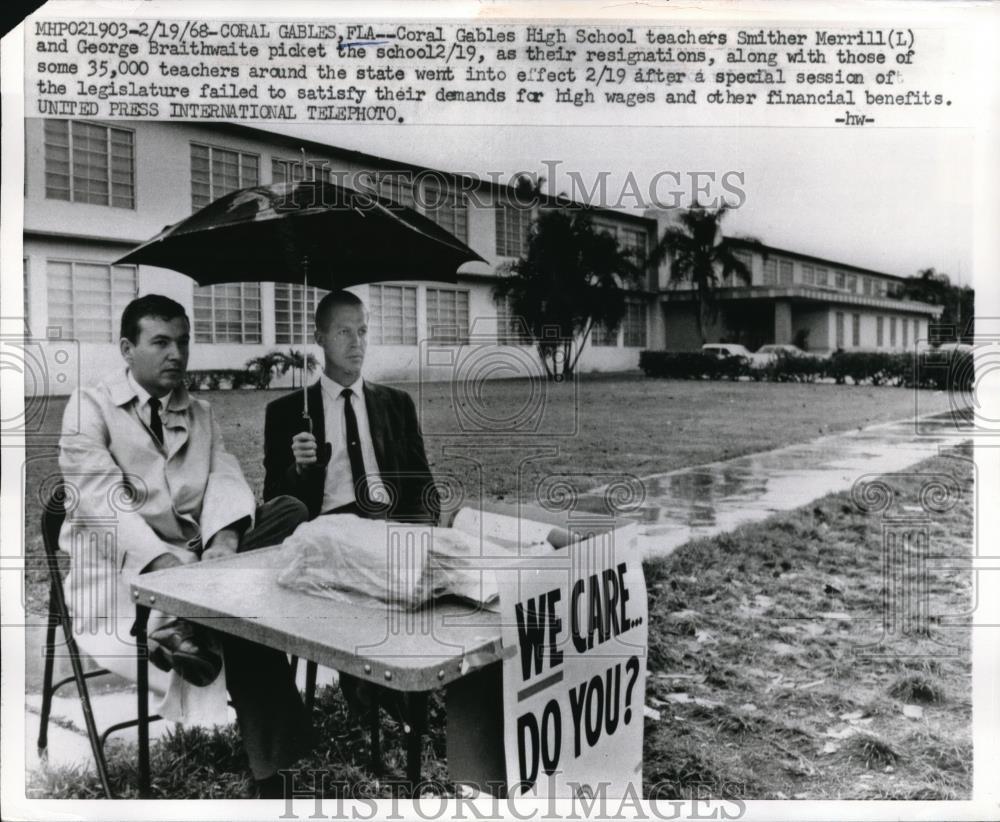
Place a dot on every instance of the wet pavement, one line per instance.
(707, 500)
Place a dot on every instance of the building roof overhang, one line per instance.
(807, 294)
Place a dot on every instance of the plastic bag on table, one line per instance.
(340, 556)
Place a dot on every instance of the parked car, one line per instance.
(953, 348)
(772, 351)
(723, 350)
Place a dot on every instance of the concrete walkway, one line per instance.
(707, 500)
(678, 506)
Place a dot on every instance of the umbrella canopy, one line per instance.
(311, 231)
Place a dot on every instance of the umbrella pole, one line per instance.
(305, 354)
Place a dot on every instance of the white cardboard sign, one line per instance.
(574, 672)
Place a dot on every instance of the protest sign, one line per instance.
(574, 672)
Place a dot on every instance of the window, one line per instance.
(821, 278)
(217, 171)
(511, 330)
(288, 313)
(808, 275)
(633, 243)
(839, 280)
(840, 329)
(892, 332)
(601, 335)
(447, 207)
(635, 324)
(906, 332)
(290, 171)
(852, 283)
(392, 314)
(512, 223)
(881, 288)
(770, 272)
(746, 258)
(227, 313)
(856, 330)
(880, 331)
(397, 187)
(87, 163)
(785, 276)
(448, 315)
(868, 284)
(86, 300)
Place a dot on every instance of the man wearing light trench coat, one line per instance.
(175, 495)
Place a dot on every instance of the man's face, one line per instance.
(344, 342)
(159, 356)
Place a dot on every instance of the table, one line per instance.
(447, 644)
(410, 651)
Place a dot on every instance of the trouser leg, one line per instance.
(276, 730)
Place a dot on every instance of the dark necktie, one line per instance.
(155, 423)
(354, 451)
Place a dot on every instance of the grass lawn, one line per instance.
(752, 667)
(603, 425)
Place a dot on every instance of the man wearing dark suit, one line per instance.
(365, 453)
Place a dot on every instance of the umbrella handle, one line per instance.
(305, 302)
(308, 420)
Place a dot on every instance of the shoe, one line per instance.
(271, 787)
(176, 646)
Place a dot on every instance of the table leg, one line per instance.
(475, 730)
(416, 718)
(142, 696)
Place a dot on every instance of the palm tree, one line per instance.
(700, 255)
(292, 360)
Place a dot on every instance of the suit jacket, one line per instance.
(130, 500)
(396, 437)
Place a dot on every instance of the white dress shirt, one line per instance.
(339, 487)
(145, 413)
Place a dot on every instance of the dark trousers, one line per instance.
(276, 730)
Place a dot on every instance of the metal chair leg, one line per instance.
(88, 711)
(121, 726)
(375, 740)
(310, 686)
(47, 689)
(142, 696)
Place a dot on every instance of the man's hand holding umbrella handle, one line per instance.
(306, 452)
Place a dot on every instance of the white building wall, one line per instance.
(162, 167)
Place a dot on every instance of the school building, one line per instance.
(95, 190)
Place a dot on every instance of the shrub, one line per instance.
(213, 379)
(947, 371)
(691, 365)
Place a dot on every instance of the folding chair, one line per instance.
(52, 520)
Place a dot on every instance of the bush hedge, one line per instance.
(939, 371)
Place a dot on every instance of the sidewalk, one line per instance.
(681, 505)
(707, 500)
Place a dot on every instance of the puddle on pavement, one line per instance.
(706, 500)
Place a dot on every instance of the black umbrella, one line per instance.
(310, 233)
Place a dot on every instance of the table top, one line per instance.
(401, 649)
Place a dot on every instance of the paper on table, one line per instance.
(510, 532)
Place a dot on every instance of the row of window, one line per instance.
(778, 271)
(633, 326)
(86, 300)
(901, 324)
(95, 164)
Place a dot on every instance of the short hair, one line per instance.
(330, 302)
(149, 305)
